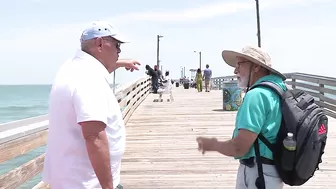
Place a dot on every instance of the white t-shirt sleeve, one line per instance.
(90, 100)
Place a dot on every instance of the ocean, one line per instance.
(21, 102)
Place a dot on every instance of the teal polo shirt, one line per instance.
(260, 112)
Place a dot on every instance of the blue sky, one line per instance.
(37, 36)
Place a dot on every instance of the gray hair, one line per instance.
(86, 45)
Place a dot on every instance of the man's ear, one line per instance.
(256, 68)
(99, 43)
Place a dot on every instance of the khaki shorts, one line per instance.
(207, 82)
(246, 177)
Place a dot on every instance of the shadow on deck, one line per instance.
(161, 149)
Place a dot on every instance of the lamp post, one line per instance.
(158, 51)
(258, 23)
(200, 58)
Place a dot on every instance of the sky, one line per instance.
(38, 36)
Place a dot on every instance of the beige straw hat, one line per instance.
(254, 54)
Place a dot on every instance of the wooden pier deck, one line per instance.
(162, 153)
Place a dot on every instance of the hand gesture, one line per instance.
(131, 65)
(206, 144)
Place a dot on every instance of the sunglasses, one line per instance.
(117, 44)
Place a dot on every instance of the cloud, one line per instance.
(209, 10)
(206, 11)
(37, 1)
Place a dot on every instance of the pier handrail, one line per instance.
(322, 88)
(217, 82)
(20, 137)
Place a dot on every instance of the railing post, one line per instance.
(114, 83)
(321, 92)
(293, 83)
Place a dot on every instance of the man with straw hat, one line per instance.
(259, 113)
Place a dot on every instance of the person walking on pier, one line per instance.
(207, 74)
(86, 138)
(199, 80)
(259, 113)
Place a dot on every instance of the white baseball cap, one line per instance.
(101, 29)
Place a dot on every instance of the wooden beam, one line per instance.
(20, 175)
(19, 146)
(42, 185)
(326, 105)
(133, 96)
(143, 96)
(316, 79)
(23, 122)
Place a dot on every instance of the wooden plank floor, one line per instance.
(162, 153)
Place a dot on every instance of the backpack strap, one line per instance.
(280, 92)
(271, 85)
(260, 181)
(266, 142)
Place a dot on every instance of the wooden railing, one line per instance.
(21, 137)
(323, 89)
(217, 82)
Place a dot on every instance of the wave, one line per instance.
(23, 108)
(14, 113)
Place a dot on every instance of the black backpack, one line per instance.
(309, 125)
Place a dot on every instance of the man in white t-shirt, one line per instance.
(86, 138)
